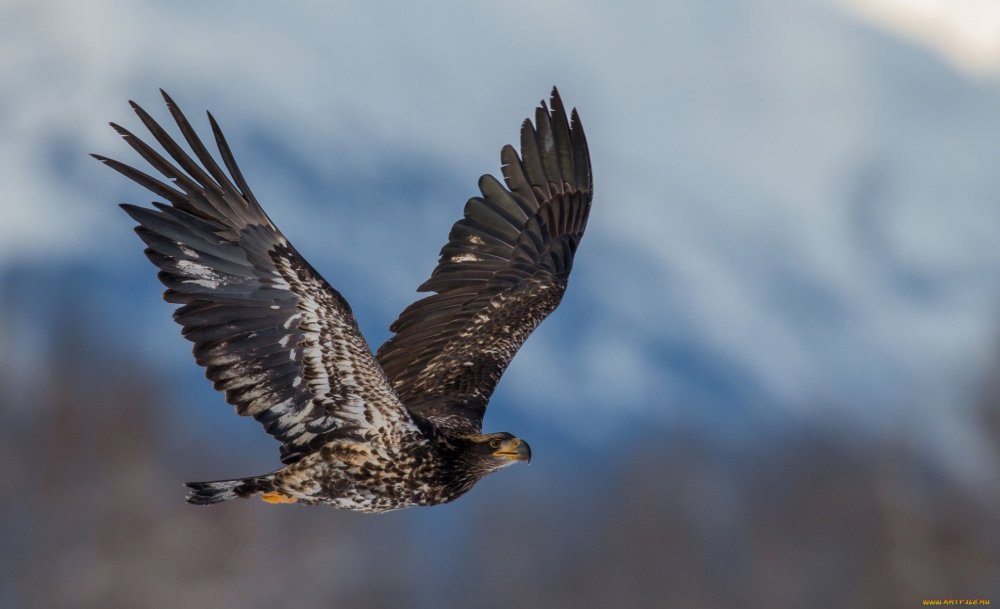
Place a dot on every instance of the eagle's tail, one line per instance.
(207, 493)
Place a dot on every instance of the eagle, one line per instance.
(358, 431)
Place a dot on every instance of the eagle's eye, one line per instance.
(495, 443)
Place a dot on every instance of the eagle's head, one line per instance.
(467, 458)
(490, 452)
(504, 448)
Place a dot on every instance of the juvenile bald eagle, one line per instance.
(357, 431)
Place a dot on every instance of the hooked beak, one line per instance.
(514, 450)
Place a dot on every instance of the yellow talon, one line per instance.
(276, 497)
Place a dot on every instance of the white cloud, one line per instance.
(966, 32)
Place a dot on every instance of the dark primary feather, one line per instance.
(503, 270)
(270, 332)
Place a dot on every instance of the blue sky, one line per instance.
(795, 212)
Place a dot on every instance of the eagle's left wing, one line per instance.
(504, 269)
(271, 333)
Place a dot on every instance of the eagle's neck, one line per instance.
(452, 467)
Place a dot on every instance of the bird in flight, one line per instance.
(360, 431)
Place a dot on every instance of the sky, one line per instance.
(795, 201)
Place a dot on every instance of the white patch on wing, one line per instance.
(226, 359)
(205, 283)
(279, 282)
(465, 257)
(201, 275)
(187, 251)
(282, 406)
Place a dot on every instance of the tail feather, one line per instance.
(207, 493)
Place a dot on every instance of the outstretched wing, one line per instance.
(270, 332)
(502, 272)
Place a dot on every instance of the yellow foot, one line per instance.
(275, 497)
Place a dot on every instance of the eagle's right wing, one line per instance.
(272, 334)
(504, 269)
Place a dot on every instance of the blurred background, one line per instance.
(774, 380)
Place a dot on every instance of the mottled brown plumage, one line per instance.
(356, 431)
